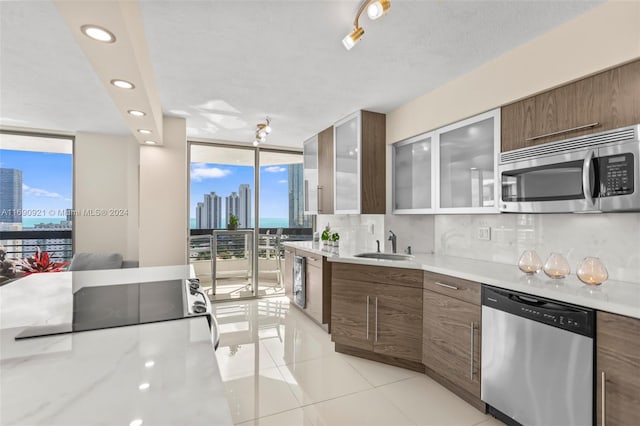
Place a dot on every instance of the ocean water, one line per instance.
(31, 222)
(265, 222)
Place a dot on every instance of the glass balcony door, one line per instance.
(281, 215)
(222, 211)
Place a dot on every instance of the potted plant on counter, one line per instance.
(326, 236)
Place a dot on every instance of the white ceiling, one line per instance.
(225, 65)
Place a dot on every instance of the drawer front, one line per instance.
(313, 260)
(378, 274)
(468, 291)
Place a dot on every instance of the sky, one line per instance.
(224, 179)
(46, 179)
(47, 182)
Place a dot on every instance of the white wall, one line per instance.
(605, 36)
(164, 188)
(602, 38)
(106, 180)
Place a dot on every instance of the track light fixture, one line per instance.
(262, 131)
(375, 9)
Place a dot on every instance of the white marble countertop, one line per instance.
(617, 297)
(162, 373)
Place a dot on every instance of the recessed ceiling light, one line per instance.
(150, 142)
(144, 131)
(123, 84)
(98, 33)
(136, 113)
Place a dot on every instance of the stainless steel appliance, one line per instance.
(537, 360)
(594, 173)
(107, 306)
(299, 284)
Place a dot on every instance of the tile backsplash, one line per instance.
(613, 237)
(358, 232)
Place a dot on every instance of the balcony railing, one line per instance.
(234, 246)
(21, 244)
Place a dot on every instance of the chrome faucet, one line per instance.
(392, 238)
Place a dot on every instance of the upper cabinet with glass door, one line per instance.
(310, 162)
(359, 164)
(467, 165)
(412, 175)
(318, 173)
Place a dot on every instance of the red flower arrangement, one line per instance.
(40, 262)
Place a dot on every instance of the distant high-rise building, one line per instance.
(214, 210)
(10, 195)
(297, 219)
(209, 212)
(232, 204)
(201, 218)
(244, 206)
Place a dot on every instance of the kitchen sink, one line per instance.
(384, 256)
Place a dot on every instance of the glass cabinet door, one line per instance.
(412, 172)
(347, 165)
(310, 164)
(467, 164)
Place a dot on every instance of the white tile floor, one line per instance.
(279, 368)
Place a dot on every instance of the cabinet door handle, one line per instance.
(367, 313)
(376, 329)
(306, 195)
(472, 349)
(603, 390)
(560, 132)
(320, 199)
(452, 287)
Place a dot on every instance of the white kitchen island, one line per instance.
(162, 373)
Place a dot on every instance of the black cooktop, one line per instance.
(120, 305)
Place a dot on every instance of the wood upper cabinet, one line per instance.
(618, 364)
(359, 164)
(318, 173)
(325, 171)
(377, 309)
(604, 101)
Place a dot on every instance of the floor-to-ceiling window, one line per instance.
(247, 261)
(36, 200)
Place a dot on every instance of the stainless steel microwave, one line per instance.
(593, 173)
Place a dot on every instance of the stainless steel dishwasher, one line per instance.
(537, 359)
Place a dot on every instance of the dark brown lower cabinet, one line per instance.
(287, 273)
(377, 311)
(618, 370)
(451, 340)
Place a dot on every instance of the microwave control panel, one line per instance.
(616, 175)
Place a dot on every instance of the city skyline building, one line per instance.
(297, 218)
(10, 195)
(244, 206)
(209, 212)
(231, 205)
